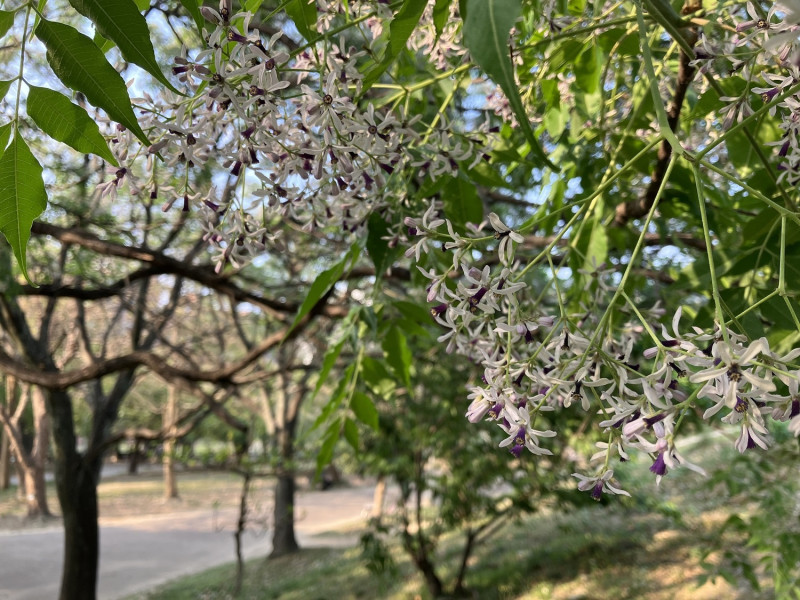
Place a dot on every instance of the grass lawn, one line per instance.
(596, 553)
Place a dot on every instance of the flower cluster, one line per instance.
(298, 146)
(302, 148)
(535, 364)
(763, 52)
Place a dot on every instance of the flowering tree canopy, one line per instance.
(596, 200)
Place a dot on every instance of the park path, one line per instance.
(139, 553)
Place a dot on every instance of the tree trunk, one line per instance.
(30, 465)
(417, 548)
(431, 578)
(459, 589)
(21, 491)
(133, 459)
(35, 476)
(81, 534)
(36, 493)
(5, 461)
(241, 524)
(283, 538)
(378, 500)
(167, 461)
(76, 482)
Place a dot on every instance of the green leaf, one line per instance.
(327, 364)
(22, 197)
(333, 352)
(462, 204)
(597, 250)
(193, 8)
(66, 122)
(329, 440)
(377, 377)
(4, 86)
(588, 67)
(351, 433)
(483, 173)
(441, 14)
(741, 152)
(400, 29)
(364, 409)
(324, 282)
(252, 6)
(775, 311)
(576, 7)
(121, 22)
(486, 29)
(379, 251)
(304, 15)
(5, 133)
(563, 54)
(414, 312)
(403, 25)
(6, 21)
(36, 18)
(80, 65)
(104, 44)
(555, 120)
(709, 101)
(336, 399)
(622, 41)
(398, 355)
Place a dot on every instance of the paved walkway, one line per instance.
(139, 553)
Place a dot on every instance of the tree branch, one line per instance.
(159, 264)
(638, 208)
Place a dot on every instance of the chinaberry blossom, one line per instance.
(301, 149)
(507, 238)
(599, 484)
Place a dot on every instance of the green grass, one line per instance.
(593, 553)
(312, 574)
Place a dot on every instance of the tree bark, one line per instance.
(240, 527)
(5, 460)
(76, 482)
(378, 500)
(36, 494)
(431, 578)
(30, 464)
(133, 459)
(21, 493)
(418, 550)
(459, 589)
(283, 538)
(35, 477)
(167, 461)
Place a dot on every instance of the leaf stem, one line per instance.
(663, 120)
(21, 64)
(701, 201)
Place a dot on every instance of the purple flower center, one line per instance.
(659, 467)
